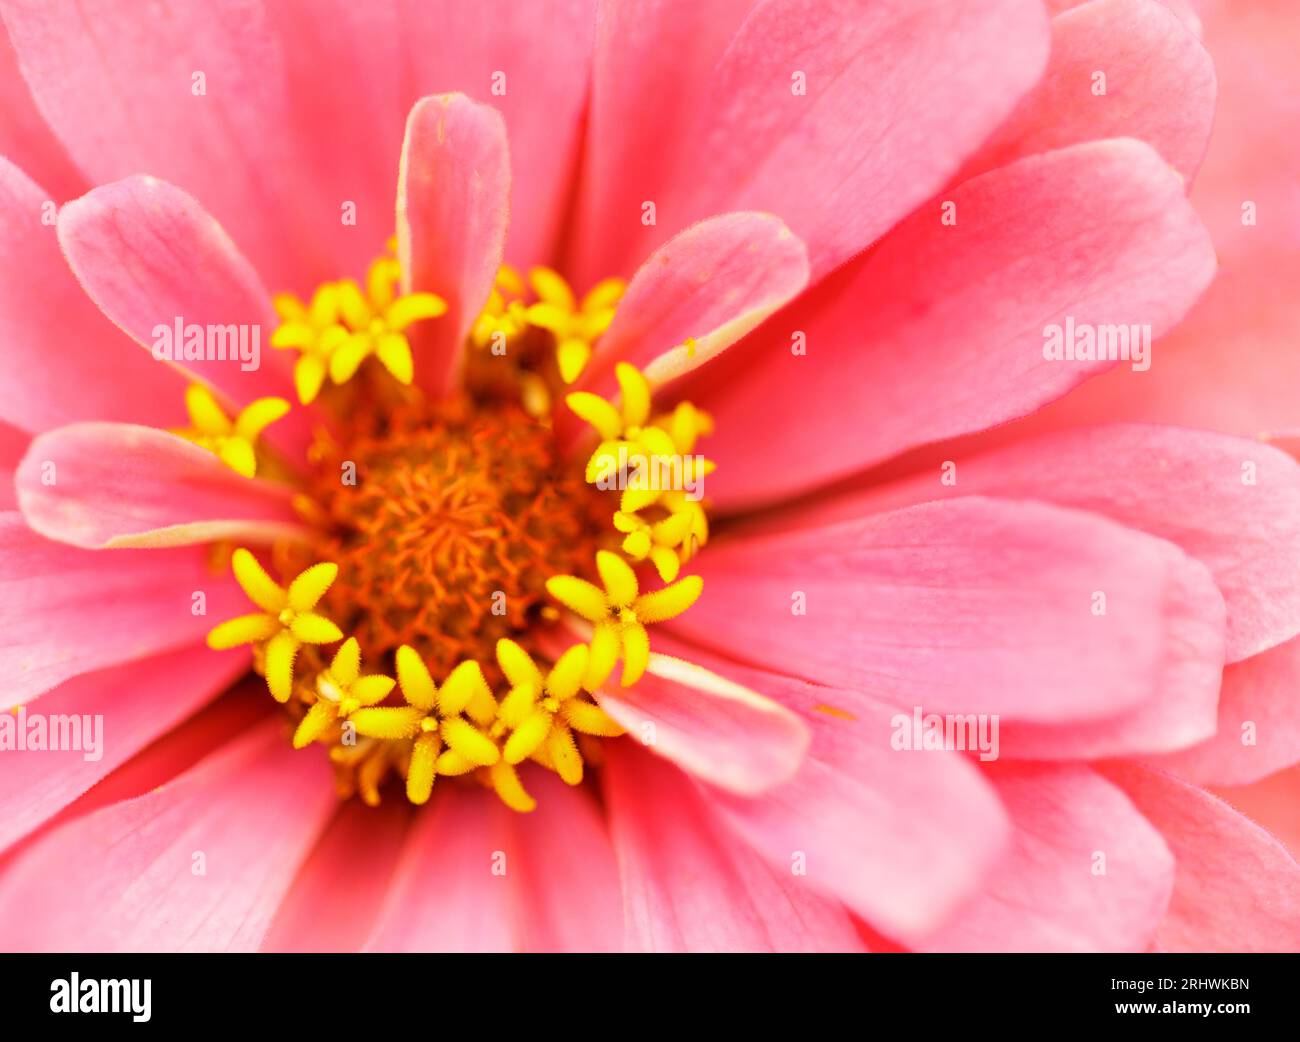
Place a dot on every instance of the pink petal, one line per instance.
(1054, 891)
(150, 256)
(227, 718)
(119, 485)
(62, 361)
(333, 901)
(974, 605)
(565, 876)
(1159, 87)
(897, 95)
(900, 838)
(13, 446)
(1236, 888)
(1258, 728)
(117, 84)
(66, 611)
(1184, 9)
(1247, 195)
(712, 283)
(1231, 503)
(943, 325)
(24, 136)
(1183, 707)
(1272, 802)
(531, 62)
(710, 726)
(199, 865)
(453, 199)
(137, 703)
(475, 876)
(687, 886)
(445, 894)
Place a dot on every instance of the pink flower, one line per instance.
(845, 231)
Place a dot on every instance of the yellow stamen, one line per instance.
(505, 780)
(345, 325)
(342, 691)
(574, 325)
(504, 314)
(234, 442)
(529, 717)
(287, 621)
(627, 437)
(620, 612)
(431, 717)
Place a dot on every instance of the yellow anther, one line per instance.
(529, 718)
(589, 718)
(575, 325)
(636, 395)
(597, 412)
(382, 278)
(562, 751)
(423, 768)
(345, 325)
(632, 452)
(234, 442)
(378, 327)
(464, 738)
(505, 780)
(429, 717)
(466, 690)
(287, 621)
(664, 542)
(451, 762)
(686, 424)
(341, 691)
(316, 331)
(619, 613)
(504, 314)
(678, 503)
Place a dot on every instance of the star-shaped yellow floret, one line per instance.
(686, 424)
(661, 541)
(433, 716)
(345, 324)
(497, 774)
(234, 442)
(341, 690)
(575, 324)
(505, 313)
(315, 330)
(377, 321)
(624, 431)
(287, 621)
(540, 712)
(619, 614)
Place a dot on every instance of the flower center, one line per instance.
(445, 522)
(453, 544)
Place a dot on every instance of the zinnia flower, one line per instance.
(404, 547)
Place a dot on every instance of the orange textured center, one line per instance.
(446, 521)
